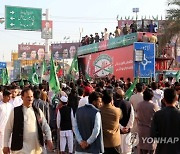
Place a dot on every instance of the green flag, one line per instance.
(87, 76)
(21, 82)
(178, 76)
(44, 67)
(129, 92)
(33, 77)
(74, 70)
(5, 77)
(53, 81)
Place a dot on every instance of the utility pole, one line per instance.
(47, 40)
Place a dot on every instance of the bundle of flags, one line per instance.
(178, 76)
(5, 77)
(33, 76)
(74, 70)
(53, 81)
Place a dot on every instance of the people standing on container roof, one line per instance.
(111, 35)
(86, 39)
(145, 38)
(91, 39)
(153, 39)
(117, 32)
(125, 29)
(106, 34)
(83, 41)
(96, 38)
(133, 27)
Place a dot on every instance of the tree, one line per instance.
(172, 23)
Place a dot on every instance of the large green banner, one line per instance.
(121, 41)
(23, 18)
(88, 49)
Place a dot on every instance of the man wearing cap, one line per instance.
(84, 100)
(64, 124)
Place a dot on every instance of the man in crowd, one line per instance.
(5, 110)
(135, 100)
(65, 118)
(39, 103)
(145, 112)
(110, 124)
(26, 124)
(126, 123)
(166, 124)
(84, 100)
(16, 99)
(157, 94)
(87, 126)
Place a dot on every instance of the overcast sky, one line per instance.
(70, 16)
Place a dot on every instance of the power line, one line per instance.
(84, 18)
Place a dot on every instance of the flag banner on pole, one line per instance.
(5, 77)
(53, 81)
(33, 77)
(74, 70)
(177, 76)
(129, 92)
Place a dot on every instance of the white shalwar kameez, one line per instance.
(30, 136)
(5, 110)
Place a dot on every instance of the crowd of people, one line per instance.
(90, 117)
(132, 28)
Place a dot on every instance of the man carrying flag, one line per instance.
(129, 92)
(74, 70)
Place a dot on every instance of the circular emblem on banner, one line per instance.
(35, 78)
(103, 66)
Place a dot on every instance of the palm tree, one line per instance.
(171, 25)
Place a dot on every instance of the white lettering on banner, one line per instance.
(124, 68)
(24, 47)
(124, 63)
